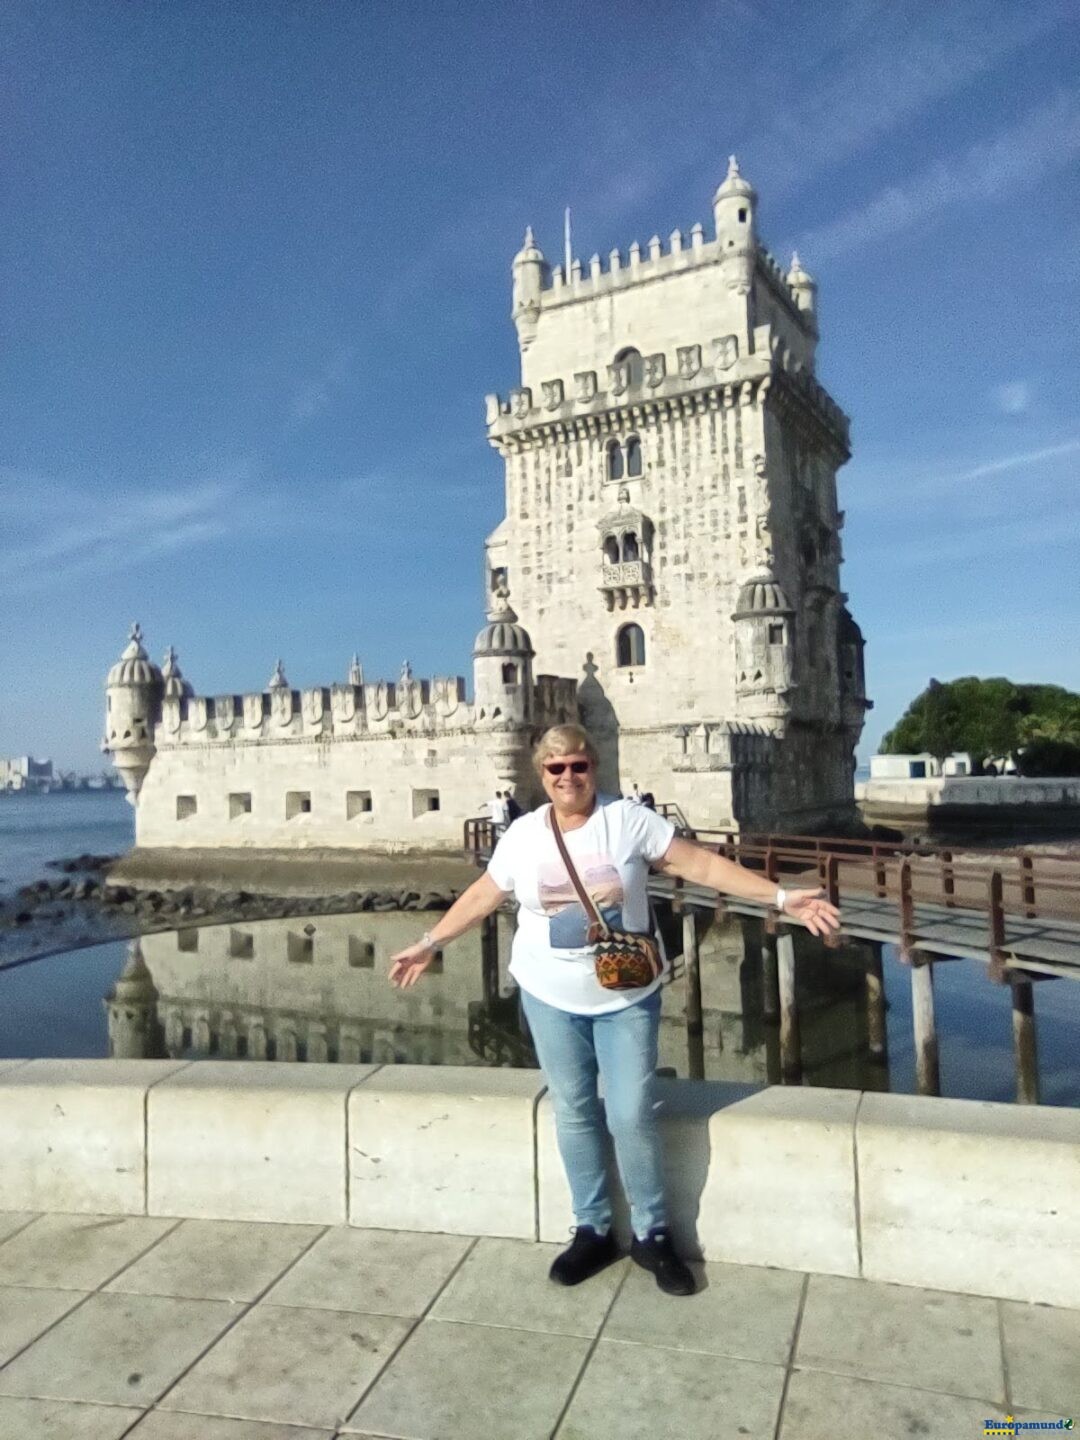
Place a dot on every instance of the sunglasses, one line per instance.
(576, 767)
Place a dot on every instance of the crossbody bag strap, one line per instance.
(575, 879)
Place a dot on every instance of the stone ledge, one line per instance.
(972, 1196)
(73, 1134)
(448, 1149)
(254, 1140)
(754, 1177)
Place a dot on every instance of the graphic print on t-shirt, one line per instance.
(568, 924)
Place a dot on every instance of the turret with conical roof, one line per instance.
(175, 686)
(764, 649)
(734, 210)
(133, 692)
(528, 272)
(502, 667)
(131, 1007)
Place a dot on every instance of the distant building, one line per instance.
(672, 544)
(26, 773)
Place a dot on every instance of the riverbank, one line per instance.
(88, 906)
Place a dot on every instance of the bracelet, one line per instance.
(781, 898)
(427, 941)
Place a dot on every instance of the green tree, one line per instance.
(987, 717)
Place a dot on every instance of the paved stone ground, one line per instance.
(208, 1330)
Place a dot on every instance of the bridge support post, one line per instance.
(695, 1027)
(790, 1043)
(489, 957)
(876, 1033)
(770, 985)
(927, 1073)
(1025, 1048)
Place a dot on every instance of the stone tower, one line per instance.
(672, 536)
(133, 695)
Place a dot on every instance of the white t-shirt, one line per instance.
(612, 852)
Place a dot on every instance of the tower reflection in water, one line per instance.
(316, 990)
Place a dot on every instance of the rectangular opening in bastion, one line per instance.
(241, 944)
(424, 802)
(187, 941)
(361, 953)
(297, 802)
(357, 802)
(239, 804)
(186, 807)
(301, 948)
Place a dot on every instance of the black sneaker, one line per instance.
(656, 1253)
(587, 1255)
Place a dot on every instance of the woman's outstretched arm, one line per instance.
(699, 866)
(482, 898)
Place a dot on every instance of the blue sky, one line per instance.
(255, 278)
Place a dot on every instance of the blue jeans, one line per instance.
(621, 1047)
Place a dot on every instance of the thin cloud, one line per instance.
(1015, 160)
(978, 543)
(318, 393)
(890, 68)
(100, 534)
(1013, 398)
(893, 490)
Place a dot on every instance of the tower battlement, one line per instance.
(709, 374)
(321, 712)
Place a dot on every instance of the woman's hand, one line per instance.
(815, 912)
(407, 966)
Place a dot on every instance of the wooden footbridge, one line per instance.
(1015, 911)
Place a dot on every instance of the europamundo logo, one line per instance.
(1012, 1426)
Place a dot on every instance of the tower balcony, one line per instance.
(627, 584)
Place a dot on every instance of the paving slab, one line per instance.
(25, 1314)
(640, 1392)
(290, 1365)
(14, 1220)
(23, 1419)
(377, 1272)
(819, 1406)
(1042, 1353)
(171, 1425)
(927, 1339)
(458, 1382)
(216, 1260)
(77, 1252)
(117, 1348)
(747, 1311)
(505, 1282)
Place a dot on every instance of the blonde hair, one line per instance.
(563, 740)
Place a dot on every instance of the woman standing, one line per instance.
(580, 1029)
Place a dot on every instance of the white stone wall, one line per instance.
(398, 772)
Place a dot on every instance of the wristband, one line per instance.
(426, 940)
(781, 898)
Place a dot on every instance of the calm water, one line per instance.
(270, 987)
(36, 828)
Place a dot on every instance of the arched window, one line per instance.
(633, 457)
(611, 550)
(630, 550)
(615, 461)
(630, 646)
(510, 673)
(632, 357)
